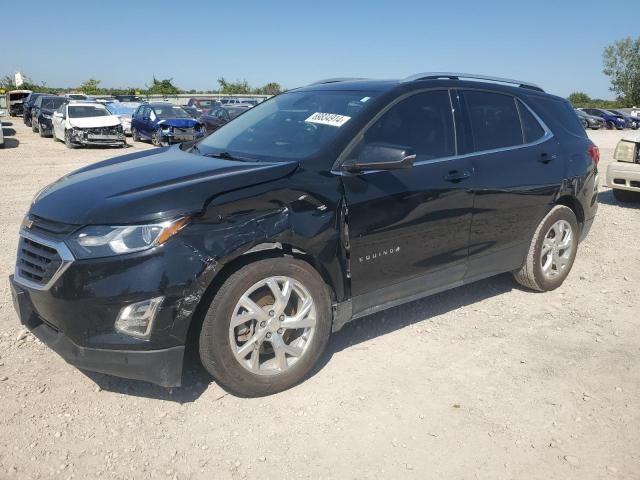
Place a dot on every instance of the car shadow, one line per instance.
(387, 321)
(11, 142)
(606, 197)
(196, 380)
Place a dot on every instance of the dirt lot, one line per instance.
(485, 381)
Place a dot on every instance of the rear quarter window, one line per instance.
(495, 122)
(558, 114)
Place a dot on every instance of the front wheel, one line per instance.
(34, 126)
(552, 251)
(267, 326)
(156, 139)
(134, 135)
(67, 139)
(41, 131)
(610, 125)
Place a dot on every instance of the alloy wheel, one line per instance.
(557, 248)
(272, 325)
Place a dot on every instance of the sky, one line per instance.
(556, 44)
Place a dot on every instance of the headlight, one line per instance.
(626, 152)
(105, 241)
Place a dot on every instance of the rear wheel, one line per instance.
(266, 327)
(552, 251)
(626, 195)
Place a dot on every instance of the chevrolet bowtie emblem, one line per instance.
(27, 222)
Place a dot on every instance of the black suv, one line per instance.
(319, 206)
(42, 113)
(28, 104)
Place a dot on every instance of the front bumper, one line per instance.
(81, 137)
(624, 176)
(162, 367)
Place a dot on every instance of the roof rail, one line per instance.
(336, 80)
(458, 76)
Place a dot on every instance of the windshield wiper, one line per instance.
(227, 156)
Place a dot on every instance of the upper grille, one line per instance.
(102, 130)
(37, 262)
(50, 228)
(184, 130)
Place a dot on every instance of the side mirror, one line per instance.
(381, 156)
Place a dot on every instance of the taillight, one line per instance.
(594, 151)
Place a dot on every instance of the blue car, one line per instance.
(610, 119)
(164, 123)
(632, 120)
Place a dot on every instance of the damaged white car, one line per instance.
(87, 123)
(623, 175)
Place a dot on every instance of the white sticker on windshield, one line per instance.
(331, 119)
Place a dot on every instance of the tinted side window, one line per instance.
(495, 122)
(530, 126)
(423, 122)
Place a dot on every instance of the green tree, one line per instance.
(621, 63)
(579, 99)
(271, 88)
(234, 88)
(162, 87)
(91, 87)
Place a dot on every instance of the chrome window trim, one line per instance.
(548, 134)
(62, 249)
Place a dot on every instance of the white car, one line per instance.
(1, 134)
(87, 123)
(623, 175)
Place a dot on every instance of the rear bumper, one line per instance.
(624, 176)
(160, 366)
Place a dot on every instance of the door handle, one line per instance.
(546, 158)
(456, 176)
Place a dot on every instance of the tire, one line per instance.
(584, 123)
(626, 196)
(35, 127)
(532, 274)
(67, 139)
(134, 135)
(218, 341)
(155, 138)
(41, 131)
(610, 125)
(26, 120)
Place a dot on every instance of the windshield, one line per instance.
(84, 111)
(122, 108)
(234, 112)
(291, 125)
(52, 103)
(170, 111)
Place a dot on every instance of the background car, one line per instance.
(28, 104)
(125, 111)
(632, 121)
(15, 101)
(590, 121)
(623, 174)
(202, 104)
(218, 116)
(42, 113)
(128, 98)
(164, 123)
(87, 123)
(193, 111)
(612, 121)
(76, 96)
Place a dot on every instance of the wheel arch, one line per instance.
(256, 253)
(574, 204)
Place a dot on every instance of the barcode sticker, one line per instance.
(331, 119)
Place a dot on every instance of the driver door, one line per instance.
(409, 228)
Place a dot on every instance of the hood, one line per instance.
(91, 122)
(147, 186)
(179, 122)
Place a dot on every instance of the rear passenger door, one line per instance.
(518, 171)
(409, 229)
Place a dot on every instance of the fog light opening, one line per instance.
(136, 319)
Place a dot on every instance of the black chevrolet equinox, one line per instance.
(319, 206)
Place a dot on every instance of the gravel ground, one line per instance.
(484, 381)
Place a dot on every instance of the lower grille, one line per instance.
(183, 131)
